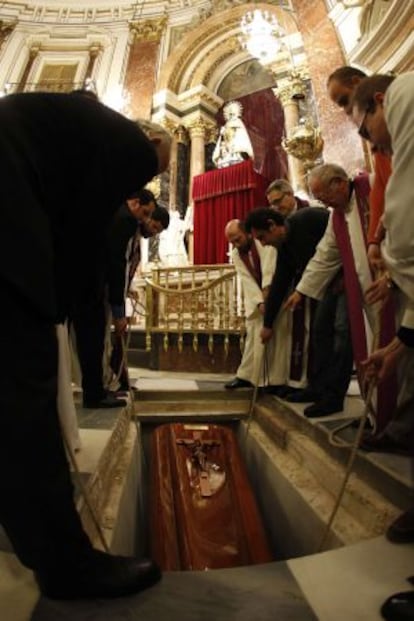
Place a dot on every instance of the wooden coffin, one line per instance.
(203, 514)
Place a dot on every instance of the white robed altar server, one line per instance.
(255, 265)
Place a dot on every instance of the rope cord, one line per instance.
(84, 492)
(368, 408)
(264, 364)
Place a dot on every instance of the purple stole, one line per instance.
(387, 391)
(254, 266)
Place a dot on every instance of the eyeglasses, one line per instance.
(276, 201)
(362, 130)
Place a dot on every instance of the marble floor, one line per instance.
(348, 584)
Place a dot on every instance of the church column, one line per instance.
(197, 128)
(94, 51)
(173, 166)
(33, 53)
(183, 176)
(145, 37)
(211, 139)
(286, 92)
(6, 28)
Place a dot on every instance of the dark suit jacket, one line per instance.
(67, 162)
(304, 230)
(122, 229)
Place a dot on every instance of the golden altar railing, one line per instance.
(196, 300)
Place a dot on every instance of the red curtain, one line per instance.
(219, 196)
(264, 120)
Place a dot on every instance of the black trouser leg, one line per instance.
(333, 354)
(89, 324)
(37, 508)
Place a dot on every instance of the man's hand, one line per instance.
(266, 334)
(383, 362)
(120, 325)
(293, 301)
(375, 259)
(379, 291)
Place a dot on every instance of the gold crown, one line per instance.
(233, 108)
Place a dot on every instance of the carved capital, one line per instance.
(6, 28)
(149, 29)
(181, 134)
(212, 132)
(95, 49)
(291, 88)
(198, 127)
(34, 50)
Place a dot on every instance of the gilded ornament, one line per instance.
(304, 142)
(148, 30)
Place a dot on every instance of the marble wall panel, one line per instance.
(324, 55)
(140, 77)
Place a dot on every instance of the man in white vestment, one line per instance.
(384, 110)
(233, 144)
(255, 265)
(340, 247)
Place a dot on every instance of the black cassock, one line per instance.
(66, 164)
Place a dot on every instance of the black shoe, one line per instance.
(99, 575)
(402, 529)
(399, 607)
(280, 390)
(104, 403)
(307, 395)
(126, 389)
(383, 443)
(323, 408)
(238, 383)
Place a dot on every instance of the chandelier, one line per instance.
(261, 34)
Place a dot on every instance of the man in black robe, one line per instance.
(66, 163)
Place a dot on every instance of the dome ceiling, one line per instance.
(140, 8)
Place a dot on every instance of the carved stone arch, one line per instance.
(201, 53)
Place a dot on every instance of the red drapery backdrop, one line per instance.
(219, 196)
(264, 120)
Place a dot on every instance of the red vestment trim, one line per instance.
(255, 269)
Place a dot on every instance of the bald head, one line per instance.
(232, 228)
(236, 235)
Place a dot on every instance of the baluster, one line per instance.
(210, 313)
(194, 311)
(149, 309)
(180, 324)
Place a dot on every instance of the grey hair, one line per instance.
(280, 185)
(326, 172)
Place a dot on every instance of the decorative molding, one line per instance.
(187, 60)
(149, 29)
(6, 28)
(386, 41)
